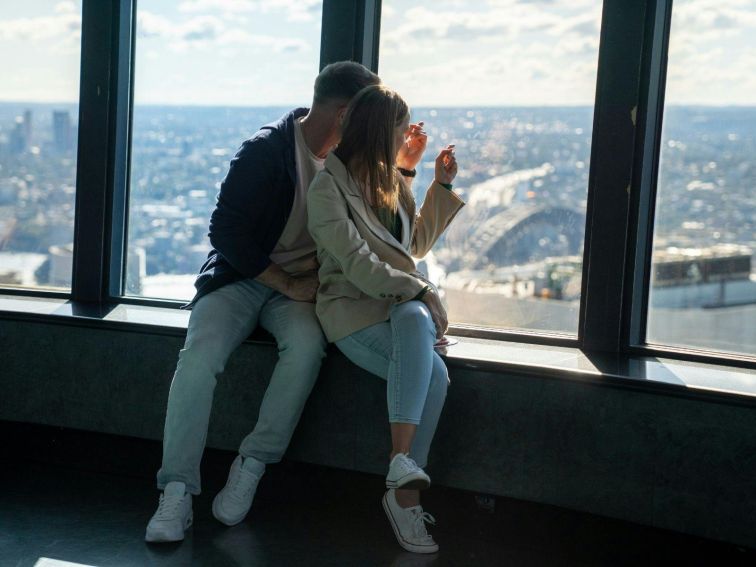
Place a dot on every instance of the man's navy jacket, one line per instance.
(253, 206)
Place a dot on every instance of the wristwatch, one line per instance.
(407, 172)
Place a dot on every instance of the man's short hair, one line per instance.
(342, 80)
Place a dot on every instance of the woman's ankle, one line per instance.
(407, 498)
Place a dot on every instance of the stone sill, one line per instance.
(666, 376)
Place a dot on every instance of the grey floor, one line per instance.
(85, 499)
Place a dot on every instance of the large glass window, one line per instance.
(208, 74)
(512, 84)
(40, 44)
(703, 284)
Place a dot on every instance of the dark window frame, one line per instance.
(621, 189)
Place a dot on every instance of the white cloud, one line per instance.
(294, 10)
(203, 32)
(65, 8)
(493, 53)
(64, 25)
(709, 53)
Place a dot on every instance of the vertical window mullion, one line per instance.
(350, 32)
(623, 30)
(122, 112)
(94, 128)
(643, 195)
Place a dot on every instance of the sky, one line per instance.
(434, 52)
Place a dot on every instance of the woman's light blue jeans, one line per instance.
(400, 351)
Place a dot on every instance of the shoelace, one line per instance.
(407, 463)
(418, 525)
(168, 507)
(238, 488)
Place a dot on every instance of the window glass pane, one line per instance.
(512, 84)
(703, 284)
(208, 74)
(40, 41)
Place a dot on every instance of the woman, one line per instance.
(372, 302)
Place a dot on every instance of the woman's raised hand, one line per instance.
(413, 148)
(446, 165)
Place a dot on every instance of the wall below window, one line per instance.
(670, 462)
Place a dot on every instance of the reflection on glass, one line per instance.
(703, 283)
(207, 76)
(41, 41)
(512, 86)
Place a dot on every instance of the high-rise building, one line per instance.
(62, 130)
(17, 140)
(28, 126)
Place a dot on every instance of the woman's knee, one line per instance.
(413, 315)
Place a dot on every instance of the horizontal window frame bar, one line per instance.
(38, 293)
(514, 335)
(692, 354)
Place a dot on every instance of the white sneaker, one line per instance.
(232, 503)
(173, 516)
(409, 525)
(404, 473)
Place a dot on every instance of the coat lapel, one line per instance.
(357, 203)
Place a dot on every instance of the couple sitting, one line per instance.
(310, 241)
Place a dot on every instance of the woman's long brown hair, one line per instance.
(367, 147)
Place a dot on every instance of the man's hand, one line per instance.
(412, 150)
(303, 287)
(437, 311)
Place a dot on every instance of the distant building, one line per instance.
(136, 270)
(709, 277)
(62, 135)
(686, 266)
(17, 142)
(28, 127)
(61, 265)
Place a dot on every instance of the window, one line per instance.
(41, 42)
(207, 75)
(513, 87)
(703, 284)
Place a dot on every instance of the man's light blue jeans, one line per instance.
(400, 351)
(219, 322)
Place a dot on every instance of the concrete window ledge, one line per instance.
(667, 376)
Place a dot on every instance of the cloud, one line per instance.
(66, 8)
(708, 52)
(294, 10)
(65, 25)
(492, 53)
(202, 32)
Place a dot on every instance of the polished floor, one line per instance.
(72, 498)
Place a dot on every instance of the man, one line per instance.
(263, 269)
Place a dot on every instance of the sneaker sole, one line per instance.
(405, 544)
(410, 482)
(165, 538)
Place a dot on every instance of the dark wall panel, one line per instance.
(664, 461)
